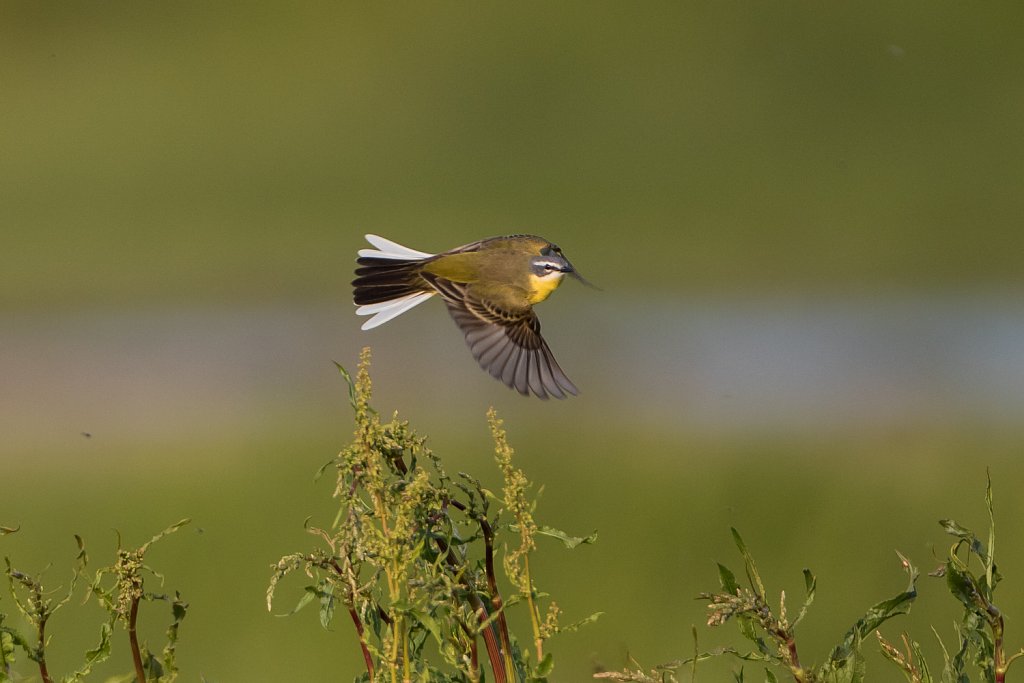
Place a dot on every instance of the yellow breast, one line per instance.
(541, 287)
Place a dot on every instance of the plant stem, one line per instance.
(534, 613)
(794, 660)
(999, 663)
(355, 620)
(362, 640)
(396, 636)
(995, 622)
(492, 584)
(133, 639)
(43, 673)
(406, 665)
(490, 641)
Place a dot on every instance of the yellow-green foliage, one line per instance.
(119, 589)
(410, 557)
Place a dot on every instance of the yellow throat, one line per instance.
(541, 287)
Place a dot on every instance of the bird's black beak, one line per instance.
(576, 274)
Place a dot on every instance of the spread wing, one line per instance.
(506, 342)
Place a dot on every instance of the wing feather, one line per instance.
(537, 381)
(560, 378)
(505, 342)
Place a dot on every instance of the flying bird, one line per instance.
(489, 287)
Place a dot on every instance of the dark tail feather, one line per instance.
(380, 279)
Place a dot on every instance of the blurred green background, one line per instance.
(806, 220)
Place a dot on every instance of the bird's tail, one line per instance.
(387, 281)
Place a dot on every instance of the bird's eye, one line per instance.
(550, 266)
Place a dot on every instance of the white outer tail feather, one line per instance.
(392, 250)
(386, 310)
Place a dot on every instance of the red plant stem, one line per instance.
(133, 639)
(358, 623)
(794, 662)
(43, 673)
(362, 641)
(492, 584)
(490, 641)
(794, 658)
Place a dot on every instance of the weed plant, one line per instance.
(971, 577)
(119, 589)
(411, 559)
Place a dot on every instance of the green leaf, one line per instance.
(947, 666)
(178, 609)
(96, 655)
(959, 668)
(308, 595)
(333, 462)
(429, 623)
(151, 665)
(967, 537)
(769, 676)
(749, 631)
(991, 576)
(169, 530)
(727, 579)
(922, 663)
(544, 667)
(847, 651)
(348, 380)
(570, 542)
(82, 559)
(736, 654)
(954, 528)
(961, 584)
(327, 602)
(851, 670)
(752, 576)
(810, 586)
(984, 657)
(10, 640)
(577, 625)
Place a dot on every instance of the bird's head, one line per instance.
(547, 270)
